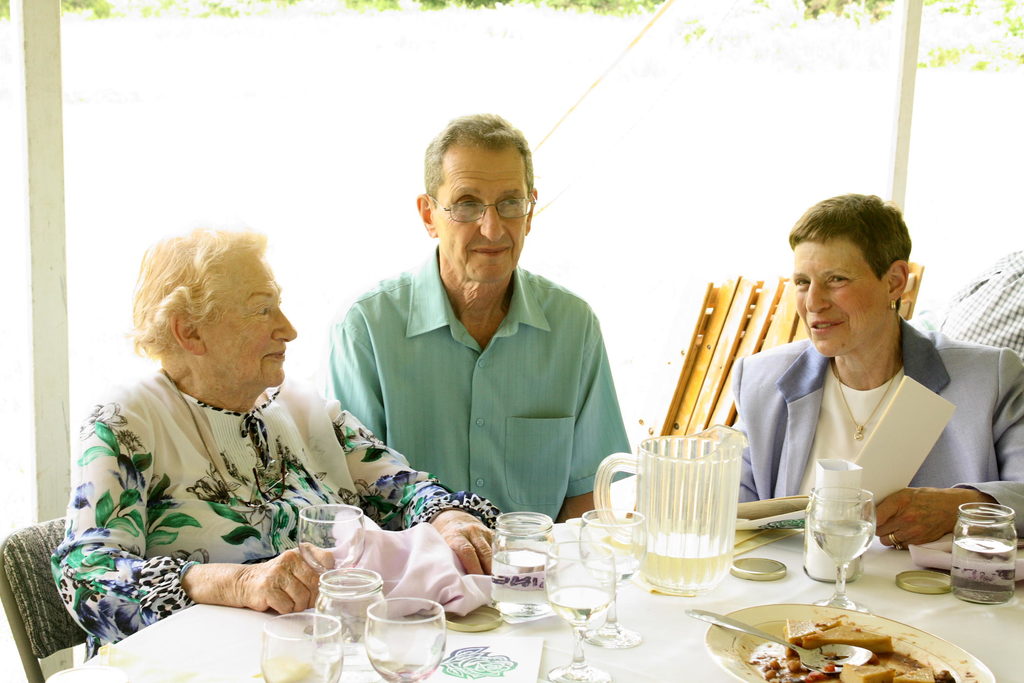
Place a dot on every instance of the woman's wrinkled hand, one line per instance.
(284, 584)
(922, 515)
(468, 538)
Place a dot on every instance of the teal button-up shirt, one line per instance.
(524, 422)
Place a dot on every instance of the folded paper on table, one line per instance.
(903, 437)
(939, 555)
(148, 656)
(755, 538)
(139, 669)
(417, 563)
(478, 657)
(164, 671)
(772, 513)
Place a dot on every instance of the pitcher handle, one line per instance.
(609, 467)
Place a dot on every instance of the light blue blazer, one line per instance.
(778, 396)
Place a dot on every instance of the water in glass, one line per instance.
(580, 583)
(984, 553)
(842, 523)
(521, 541)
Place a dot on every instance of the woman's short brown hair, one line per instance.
(876, 227)
(181, 277)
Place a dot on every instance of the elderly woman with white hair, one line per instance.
(189, 483)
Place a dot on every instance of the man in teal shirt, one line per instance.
(490, 377)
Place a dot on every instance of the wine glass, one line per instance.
(842, 522)
(624, 533)
(580, 581)
(405, 638)
(330, 536)
(304, 647)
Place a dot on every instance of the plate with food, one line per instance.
(903, 654)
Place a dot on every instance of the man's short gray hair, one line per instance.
(489, 131)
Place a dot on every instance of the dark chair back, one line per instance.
(40, 623)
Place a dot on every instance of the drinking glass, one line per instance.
(330, 536)
(346, 594)
(580, 581)
(624, 533)
(984, 553)
(519, 549)
(301, 648)
(405, 638)
(842, 522)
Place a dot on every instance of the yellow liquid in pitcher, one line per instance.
(687, 576)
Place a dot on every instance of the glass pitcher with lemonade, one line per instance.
(688, 488)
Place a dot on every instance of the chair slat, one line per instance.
(732, 334)
(767, 300)
(702, 349)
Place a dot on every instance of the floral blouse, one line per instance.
(164, 481)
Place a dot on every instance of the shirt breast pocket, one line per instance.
(538, 459)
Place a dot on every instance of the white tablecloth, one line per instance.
(223, 643)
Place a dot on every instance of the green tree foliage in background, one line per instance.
(998, 42)
(876, 9)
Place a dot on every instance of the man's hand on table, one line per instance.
(468, 537)
(922, 515)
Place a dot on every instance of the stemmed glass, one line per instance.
(405, 638)
(624, 533)
(842, 522)
(330, 536)
(580, 581)
(301, 648)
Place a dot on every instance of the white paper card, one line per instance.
(904, 436)
(833, 472)
(484, 657)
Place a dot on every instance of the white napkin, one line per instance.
(939, 555)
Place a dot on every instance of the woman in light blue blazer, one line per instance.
(819, 398)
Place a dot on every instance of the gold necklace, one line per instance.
(858, 433)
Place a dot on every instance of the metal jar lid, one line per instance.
(924, 581)
(481, 619)
(758, 569)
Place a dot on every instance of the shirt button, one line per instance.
(479, 422)
(481, 364)
(479, 482)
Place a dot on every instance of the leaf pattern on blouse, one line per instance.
(137, 519)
